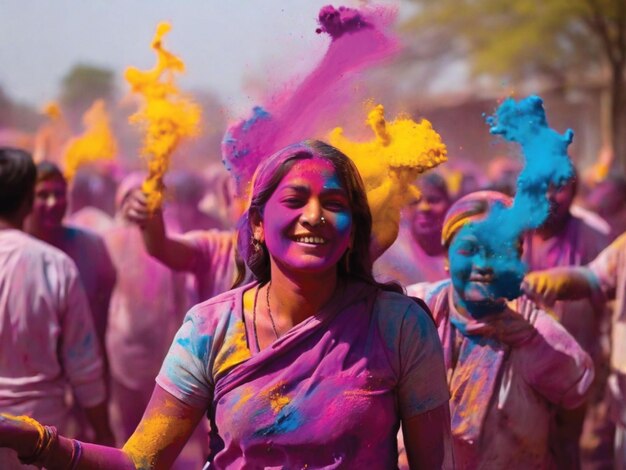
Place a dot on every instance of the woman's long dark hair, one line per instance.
(356, 262)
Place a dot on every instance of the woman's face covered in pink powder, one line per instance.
(307, 222)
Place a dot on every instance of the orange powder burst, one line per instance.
(166, 115)
(52, 110)
(97, 143)
(389, 164)
(52, 135)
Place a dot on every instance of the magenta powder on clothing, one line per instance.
(330, 393)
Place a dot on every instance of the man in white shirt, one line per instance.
(47, 337)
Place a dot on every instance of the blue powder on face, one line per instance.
(546, 163)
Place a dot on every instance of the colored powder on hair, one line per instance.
(359, 39)
(166, 115)
(97, 143)
(389, 163)
(546, 164)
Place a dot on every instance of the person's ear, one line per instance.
(256, 223)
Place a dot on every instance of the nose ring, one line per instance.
(322, 220)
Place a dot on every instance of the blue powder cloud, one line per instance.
(546, 163)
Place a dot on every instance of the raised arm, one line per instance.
(562, 283)
(173, 253)
(598, 280)
(163, 431)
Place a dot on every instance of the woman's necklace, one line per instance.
(269, 310)
(256, 336)
(256, 297)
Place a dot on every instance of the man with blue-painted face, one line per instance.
(508, 361)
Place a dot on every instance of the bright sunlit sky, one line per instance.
(222, 43)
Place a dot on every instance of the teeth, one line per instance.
(311, 240)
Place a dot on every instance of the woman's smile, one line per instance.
(309, 240)
(307, 222)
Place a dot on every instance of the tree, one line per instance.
(560, 41)
(84, 84)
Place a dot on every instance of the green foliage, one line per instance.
(518, 38)
(85, 83)
(561, 40)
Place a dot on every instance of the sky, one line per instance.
(226, 45)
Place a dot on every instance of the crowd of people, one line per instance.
(263, 334)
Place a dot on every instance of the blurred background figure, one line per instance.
(502, 172)
(219, 200)
(92, 198)
(417, 254)
(186, 190)
(604, 279)
(47, 335)
(608, 199)
(208, 255)
(86, 248)
(567, 240)
(147, 308)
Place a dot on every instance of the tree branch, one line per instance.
(597, 24)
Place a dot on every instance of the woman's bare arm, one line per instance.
(163, 431)
(560, 283)
(175, 254)
(426, 437)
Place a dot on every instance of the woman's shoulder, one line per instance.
(393, 303)
(400, 315)
(215, 309)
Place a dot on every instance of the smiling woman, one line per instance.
(312, 365)
(508, 362)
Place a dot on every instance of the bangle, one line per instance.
(77, 452)
(52, 436)
(41, 434)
